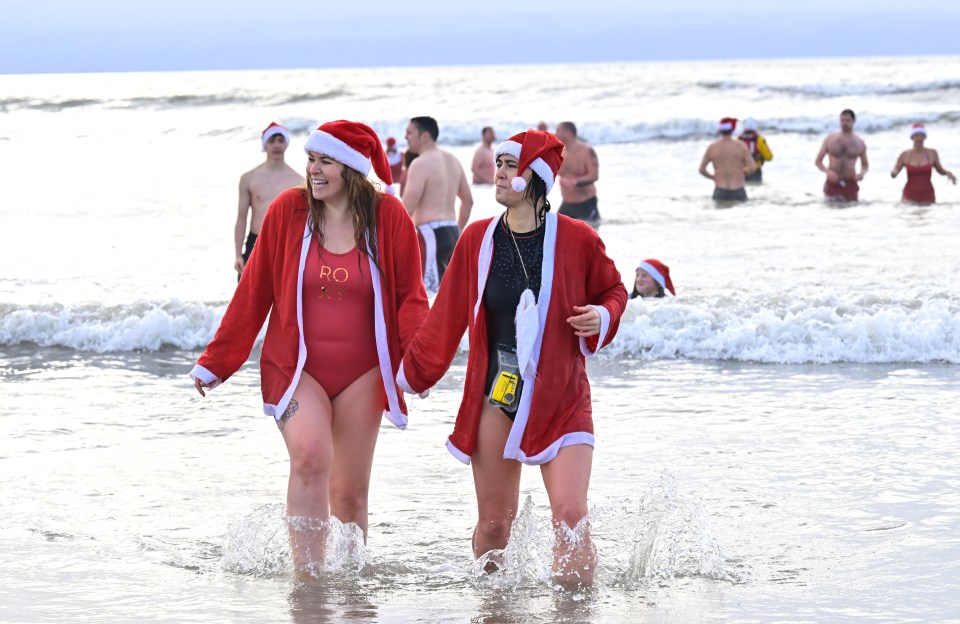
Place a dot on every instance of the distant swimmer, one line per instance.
(731, 161)
(920, 163)
(259, 187)
(394, 158)
(578, 177)
(652, 279)
(434, 182)
(757, 145)
(483, 167)
(844, 148)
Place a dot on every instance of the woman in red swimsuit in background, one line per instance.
(335, 267)
(920, 163)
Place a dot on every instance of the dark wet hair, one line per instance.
(847, 111)
(484, 130)
(428, 125)
(408, 157)
(568, 125)
(536, 192)
(635, 294)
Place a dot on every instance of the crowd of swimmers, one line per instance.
(341, 267)
(737, 162)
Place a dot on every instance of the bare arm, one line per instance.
(413, 188)
(820, 156)
(940, 169)
(477, 163)
(897, 166)
(593, 170)
(707, 159)
(240, 228)
(466, 201)
(864, 164)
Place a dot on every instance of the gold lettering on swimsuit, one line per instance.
(343, 272)
(325, 272)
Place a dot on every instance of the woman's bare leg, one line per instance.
(567, 478)
(497, 481)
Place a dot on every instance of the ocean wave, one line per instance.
(821, 90)
(827, 330)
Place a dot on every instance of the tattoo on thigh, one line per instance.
(288, 413)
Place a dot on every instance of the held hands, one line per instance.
(199, 385)
(586, 321)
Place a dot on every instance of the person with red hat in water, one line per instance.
(536, 294)
(731, 161)
(652, 279)
(332, 269)
(844, 148)
(258, 187)
(394, 158)
(920, 163)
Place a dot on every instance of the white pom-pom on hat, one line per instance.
(534, 149)
(518, 184)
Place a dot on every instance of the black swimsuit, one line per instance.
(505, 283)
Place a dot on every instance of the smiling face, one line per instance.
(645, 285)
(325, 176)
(503, 179)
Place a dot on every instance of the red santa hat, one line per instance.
(269, 131)
(536, 149)
(391, 142)
(918, 129)
(353, 144)
(727, 124)
(659, 272)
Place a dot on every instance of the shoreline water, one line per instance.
(793, 406)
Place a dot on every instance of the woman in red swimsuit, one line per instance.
(920, 163)
(335, 267)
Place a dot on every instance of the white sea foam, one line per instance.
(749, 328)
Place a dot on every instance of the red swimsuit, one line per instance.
(338, 317)
(919, 188)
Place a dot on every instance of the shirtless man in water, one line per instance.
(844, 148)
(732, 163)
(434, 182)
(578, 175)
(259, 187)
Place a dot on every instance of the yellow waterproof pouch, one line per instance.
(508, 384)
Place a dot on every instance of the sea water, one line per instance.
(777, 442)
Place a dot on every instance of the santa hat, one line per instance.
(918, 129)
(659, 272)
(727, 124)
(536, 149)
(391, 142)
(272, 129)
(750, 124)
(353, 144)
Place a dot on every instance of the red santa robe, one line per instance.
(555, 408)
(272, 282)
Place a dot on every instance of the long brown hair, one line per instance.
(363, 199)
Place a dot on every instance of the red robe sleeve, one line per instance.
(412, 305)
(604, 287)
(251, 301)
(435, 345)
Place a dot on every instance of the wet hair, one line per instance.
(847, 111)
(568, 125)
(536, 192)
(726, 132)
(635, 294)
(409, 157)
(363, 198)
(484, 130)
(428, 125)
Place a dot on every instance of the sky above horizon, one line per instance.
(62, 36)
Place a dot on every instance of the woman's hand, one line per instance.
(199, 385)
(586, 322)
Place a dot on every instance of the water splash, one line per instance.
(673, 537)
(259, 544)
